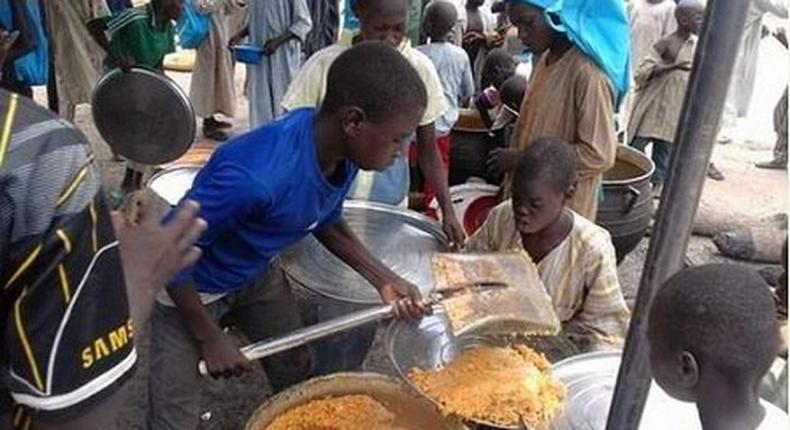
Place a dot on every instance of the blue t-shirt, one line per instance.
(260, 193)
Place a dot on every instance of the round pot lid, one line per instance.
(143, 115)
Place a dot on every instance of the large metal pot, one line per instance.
(627, 205)
(173, 181)
(470, 143)
(412, 411)
(326, 287)
(590, 380)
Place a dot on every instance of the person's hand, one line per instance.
(126, 62)
(272, 45)
(7, 40)
(453, 229)
(235, 40)
(494, 40)
(223, 358)
(406, 297)
(152, 253)
(473, 37)
(502, 160)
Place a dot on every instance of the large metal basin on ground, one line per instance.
(412, 411)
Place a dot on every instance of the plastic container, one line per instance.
(247, 54)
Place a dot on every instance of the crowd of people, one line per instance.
(347, 96)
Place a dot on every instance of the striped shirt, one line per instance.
(134, 32)
(67, 336)
(580, 276)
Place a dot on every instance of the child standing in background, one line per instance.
(661, 82)
(455, 74)
(280, 28)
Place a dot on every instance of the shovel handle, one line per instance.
(303, 336)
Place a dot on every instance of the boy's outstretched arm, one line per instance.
(341, 241)
(431, 167)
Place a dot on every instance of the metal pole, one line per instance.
(707, 90)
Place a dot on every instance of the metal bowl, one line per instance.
(143, 115)
(404, 241)
(590, 380)
(430, 344)
(172, 183)
(412, 411)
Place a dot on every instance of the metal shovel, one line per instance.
(303, 336)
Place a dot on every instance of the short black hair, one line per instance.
(376, 78)
(375, 4)
(512, 91)
(439, 19)
(549, 159)
(498, 66)
(724, 314)
(686, 6)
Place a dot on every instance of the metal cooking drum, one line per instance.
(404, 240)
(415, 412)
(143, 115)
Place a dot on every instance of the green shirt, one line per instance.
(134, 32)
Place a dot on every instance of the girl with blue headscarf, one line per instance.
(580, 77)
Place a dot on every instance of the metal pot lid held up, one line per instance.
(143, 115)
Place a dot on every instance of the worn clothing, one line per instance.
(212, 90)
(268, 80)
(455, 74)
(659, 97)
(649, 22)
(660, 153)
(599, 29)
(308, 89)
(77, 56)
(780, 126)
(64, 317)
(264, 310)
(744, 73)
(255, 205)
(325, 15)
(135, 32)
(572, 100)
(580, 276)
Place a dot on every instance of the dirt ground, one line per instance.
(747, 195)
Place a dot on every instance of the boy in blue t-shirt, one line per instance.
(262, 192)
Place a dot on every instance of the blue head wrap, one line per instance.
(599, 28)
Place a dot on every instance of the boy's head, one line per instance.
(533, 30)
(377, 98)
(498, 66)
(689, 15)
(474, 4)
(512, 92)
(712, 326)
(170, 9)
(439, 20)
(543, 181)
(382, 20)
